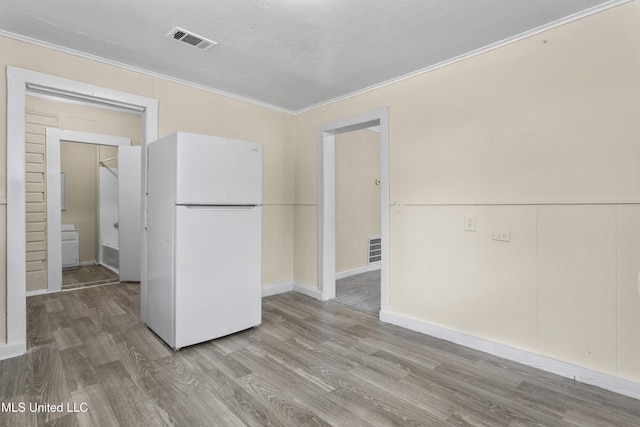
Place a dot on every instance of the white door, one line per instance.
(130, 233)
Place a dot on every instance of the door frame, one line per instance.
(20, 83)
(327, 205)
(129, 203)
(54, 234)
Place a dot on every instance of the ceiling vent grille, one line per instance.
(191, 38)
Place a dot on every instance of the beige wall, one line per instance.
(79, 161)
(540, 138)
(357, 165)
(41, 114)
(192, 110)
(181, 108)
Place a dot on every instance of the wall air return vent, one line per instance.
(375, 250)
(191, 38)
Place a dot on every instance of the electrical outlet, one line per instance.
(501, 235)
(469, 223)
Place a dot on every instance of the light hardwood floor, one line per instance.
(309, 363)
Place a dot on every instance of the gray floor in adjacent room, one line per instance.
(88, 275)
(360, 292)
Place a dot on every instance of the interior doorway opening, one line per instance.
(89, 192)
(108, 224)
(357, 198)
(20, 83)
(327, 200)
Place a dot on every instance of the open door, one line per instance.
(130, 234)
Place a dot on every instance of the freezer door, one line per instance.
(217, 171)
(217, 271)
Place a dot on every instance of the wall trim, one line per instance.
(40, 292)
(308, 291)
(359, 270)
(585, 375)
(143, 71)
(87, 263)
(277, 288)
(7, 351)
(568, 19)
(288, 286)
(558, 23)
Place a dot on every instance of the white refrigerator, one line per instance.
(204, 237)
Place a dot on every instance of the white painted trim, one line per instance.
(16, 217)
(545, 363)
(7, 351)
(566, 20)
(87, 263)
(308, 291)
(54, 234)
(596, 9)
(326, 216)
(143, 71)
(359, 270)
(39, 292)
(288, 286)
(277, 288)
(326, 199)
(18, 82)
(530, 202)
(108, 107)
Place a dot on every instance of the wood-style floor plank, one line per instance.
(309, 363)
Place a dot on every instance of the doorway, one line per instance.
(327, 200)
(114, 213)
(21, 82)
(357, 198)
(89, 211)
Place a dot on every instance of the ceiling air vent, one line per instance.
(191, 38)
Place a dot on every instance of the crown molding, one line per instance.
(576, 16)
(144, 71)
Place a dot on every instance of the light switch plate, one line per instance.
(469, 223)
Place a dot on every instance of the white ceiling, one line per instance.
(291, 54)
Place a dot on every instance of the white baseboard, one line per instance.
(545, 363)
(290, 285)
(87, 263)
(308, 291)
(277, 288)
(7, 351)
(37, 292)
(360, 270)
